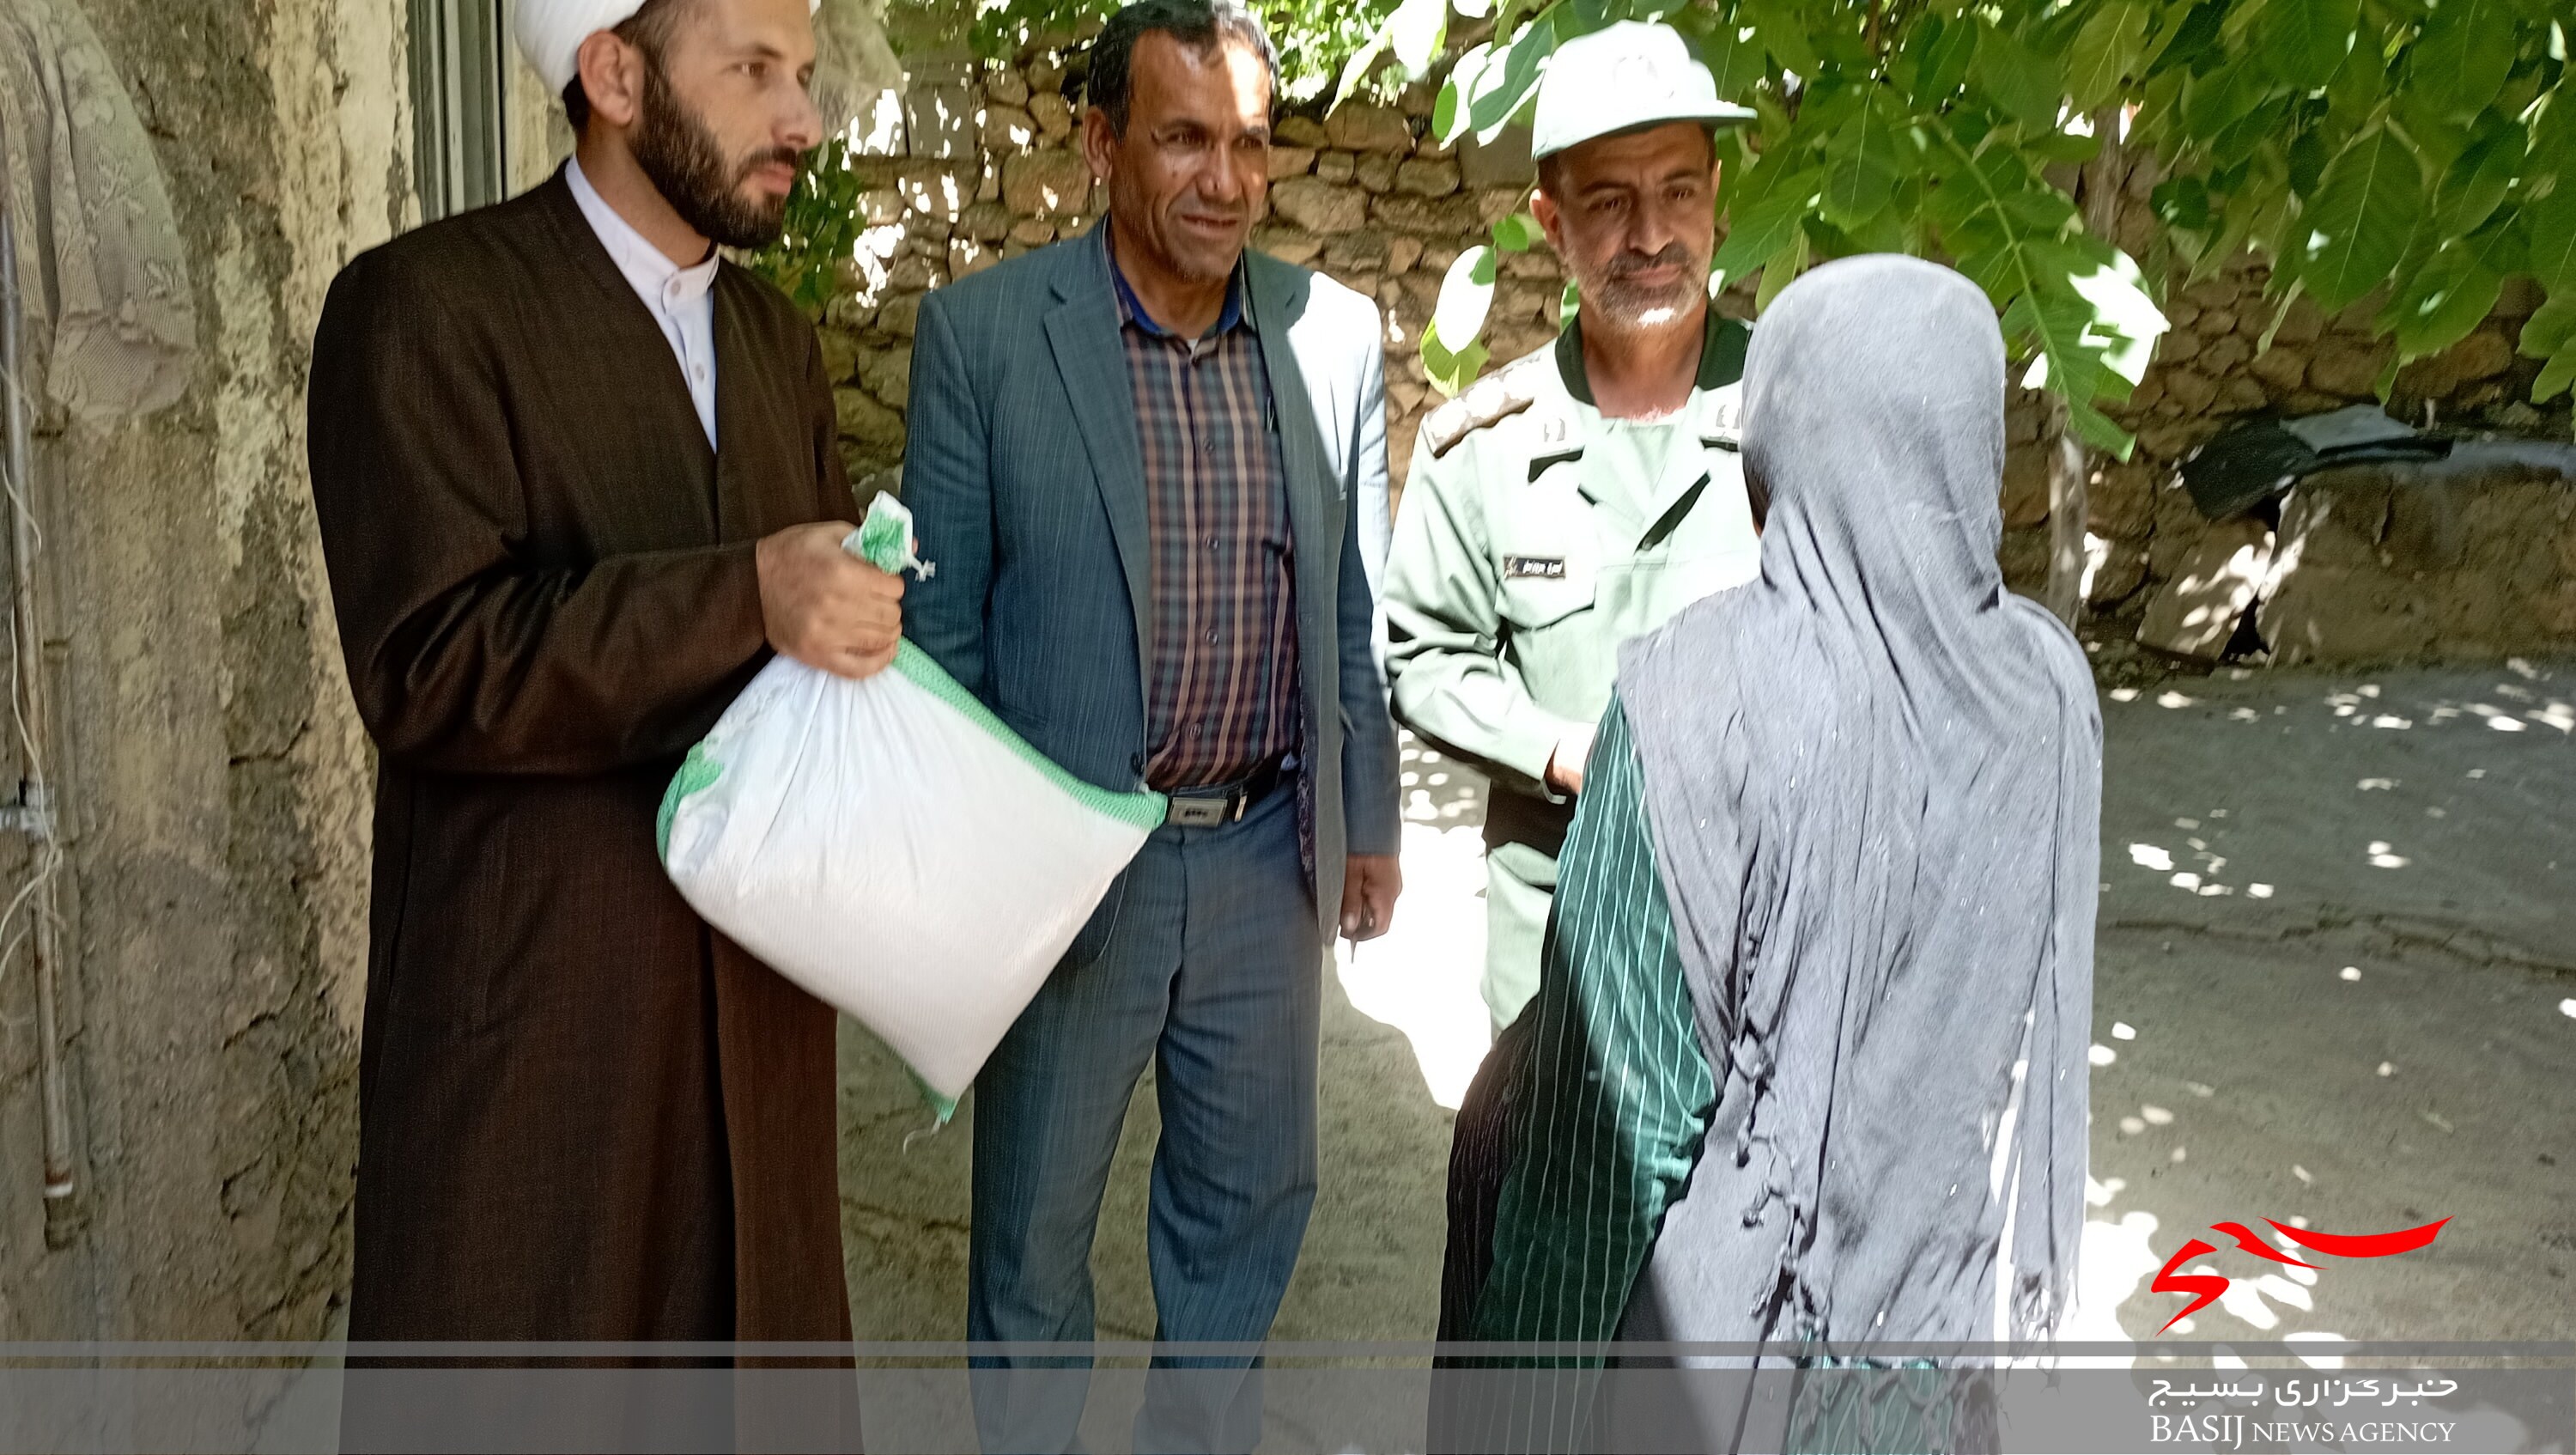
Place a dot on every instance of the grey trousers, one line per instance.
(1206, 962)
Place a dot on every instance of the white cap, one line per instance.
(550, 32)
(1621, 78)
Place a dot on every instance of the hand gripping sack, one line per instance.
(893, 848)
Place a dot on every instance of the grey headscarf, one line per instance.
(1874, 780)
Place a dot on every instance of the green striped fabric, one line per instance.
(1848, 1406)
(1618, 1091)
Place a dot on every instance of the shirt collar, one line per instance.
(1721, 355)
(647, 267)
(1131, 309)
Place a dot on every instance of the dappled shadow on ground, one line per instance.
(1422, 977)
(2336, 987)
(1371, 1268)
(2341, 1083)
(2336, 939)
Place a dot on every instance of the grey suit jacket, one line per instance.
(1027, 487)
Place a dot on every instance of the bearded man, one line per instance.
(1571, 503)
(578, 478)
(1581, 495)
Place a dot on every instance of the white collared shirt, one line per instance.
(681, 300)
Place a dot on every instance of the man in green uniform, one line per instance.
(1582, 495)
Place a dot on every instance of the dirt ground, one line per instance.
(2335, 965)
(2335, 986)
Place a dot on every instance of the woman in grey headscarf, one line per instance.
(1808, 1063)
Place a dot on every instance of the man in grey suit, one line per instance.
(1138, 459)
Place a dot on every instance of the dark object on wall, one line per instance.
(109, 324)
(2256, 461)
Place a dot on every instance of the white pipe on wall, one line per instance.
(34, 811)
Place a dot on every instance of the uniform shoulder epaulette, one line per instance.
(1490, 400)
(1721, 360)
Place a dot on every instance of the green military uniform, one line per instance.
(1537, 536)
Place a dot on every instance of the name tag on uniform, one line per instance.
(1534, 568)
(1725, 426)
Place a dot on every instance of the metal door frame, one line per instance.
(460, 112)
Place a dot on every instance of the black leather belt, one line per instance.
(1219, 804)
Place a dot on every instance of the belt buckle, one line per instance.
(1200, 813)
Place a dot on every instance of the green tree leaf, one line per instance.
(1449, 371)
(1941, 51)
(2107, 51)
(1736, 62)
(2024, 83)
(1760, 230)
(2361, 219)
(2453, 291)
(2304, 41)
(1415, 32)
(2553, 130)
(2464, 54)
(2213, 102)
(1466, 297)
(1449, 112)
(1501, 91)
(2055, 321)
(1783, 31)
(2356, 91)
(1984, 203)
(2058, 147)
(1862, 165)
(2550, 334)
(1356, 69)
(2550, 330)
(1514, 14)
(1828, 104)
(2477, 182)
(2306, 160)
(1781, 271)
(2424, 146)
(2126, 322)
(2436, 137)
(2552, 223)
(1518, 233)
(2184, 42)
(2262, 128)
(2555, 376)
(2182, 202)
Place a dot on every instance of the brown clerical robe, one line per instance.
(583, 1113)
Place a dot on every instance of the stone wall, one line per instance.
(986, 167)
(214, 779)
(990, 167)
(2499, 576)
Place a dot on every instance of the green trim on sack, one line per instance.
(697, 774)
(944, 1107)
(1142, 810)
(884, 539)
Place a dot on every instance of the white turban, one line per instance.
(550, 32)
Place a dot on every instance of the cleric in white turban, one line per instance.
(550, 32)
(578, 479)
